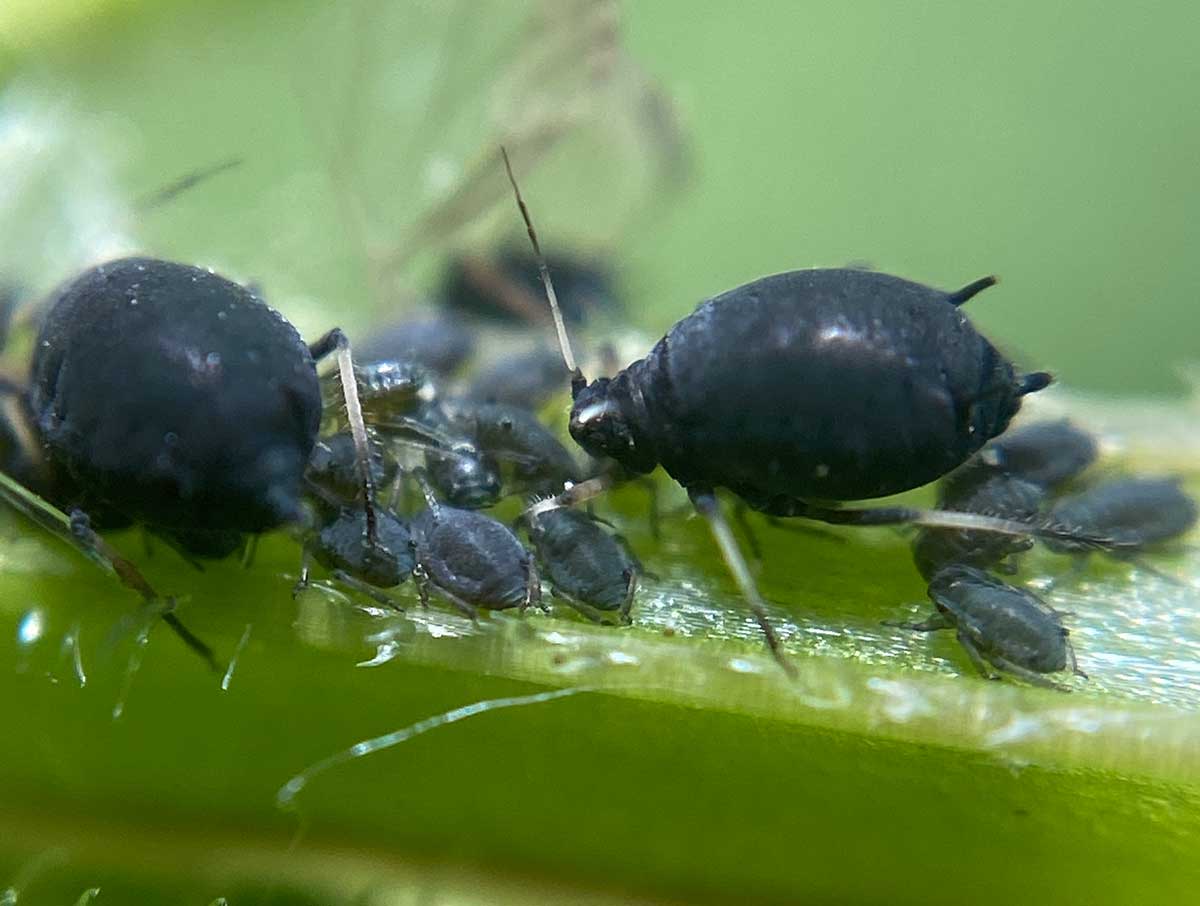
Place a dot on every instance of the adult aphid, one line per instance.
(802, 389)
(166, 395)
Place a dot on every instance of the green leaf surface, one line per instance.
(686, 767)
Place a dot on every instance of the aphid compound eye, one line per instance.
(600, 424)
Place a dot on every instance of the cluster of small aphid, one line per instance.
(1032, 473)
(166, 395)
(465, 446)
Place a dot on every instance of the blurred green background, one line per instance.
(1055, 146)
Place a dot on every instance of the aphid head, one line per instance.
(466, 477)
(600, 424)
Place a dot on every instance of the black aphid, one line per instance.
(441, 344)
(526, 379)
(1000, 626)
(587, 567)
(535, 461)
(472, 560)
(978, 488)
(1049, 454)
(505, 286)
(333, 466)
(167, 395)
(801, 389)
(1134, 513)
(464, 475)
(340, 547)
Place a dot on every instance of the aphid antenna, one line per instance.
(431, 500)
(338, 343)
(572, 496)
(430, 447)
(971, 290)
(578, 381)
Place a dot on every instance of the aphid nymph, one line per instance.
(999, 626)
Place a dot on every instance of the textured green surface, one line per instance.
(887, 773)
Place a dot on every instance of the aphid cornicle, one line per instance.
(813, 386)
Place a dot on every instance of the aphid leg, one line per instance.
(739, 516)
(1072, 662)
(533, 590)
(947, 519)
(595, 614)
(302, 583)
(396, 493)
(344, 578)
(1027, 675)
(630, 591)
(337, 342)
(436, 440)
(249, 551)
(421, 578)
(425, 584)
(932, 623)
(1142, 564)
(467, 609)
(431, 500)
(984, 668)
(653, 511)
(99, 551)
(709, 507)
